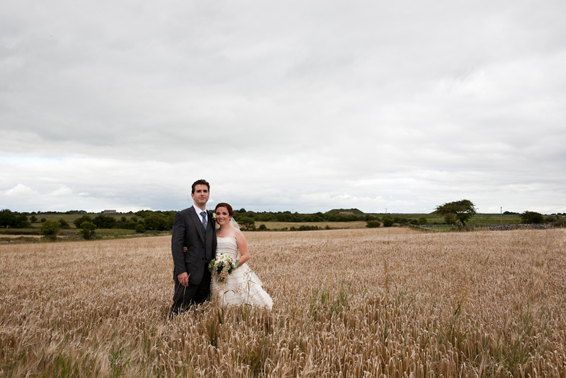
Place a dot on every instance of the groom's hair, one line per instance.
(227, 206)
(200, 182)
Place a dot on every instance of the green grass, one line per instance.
(495, 219)
(322, 225)
(478, 219)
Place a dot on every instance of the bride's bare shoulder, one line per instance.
(239, 234)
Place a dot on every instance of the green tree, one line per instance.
(155, 222)
(104, 221)
(247, 222)
(140, 229)
(450, 219)
(7, 218)
(85, 218)
(33, 219)
(87, 229)
(50, 229)
(401, 220)
(423, 220)
(63, 223)
(531, 217)
(388, 221)
(373, 224)
(21, 221)
(463, 210)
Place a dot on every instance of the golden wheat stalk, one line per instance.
(347, 303)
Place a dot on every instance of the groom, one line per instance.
(194, 229)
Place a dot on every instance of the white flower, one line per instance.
(222, 265)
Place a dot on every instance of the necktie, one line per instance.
(203, 215)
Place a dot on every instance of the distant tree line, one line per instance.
(337, 215)
(141, 221)
(149, 220)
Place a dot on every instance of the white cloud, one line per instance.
(19, 190)
(62, 191)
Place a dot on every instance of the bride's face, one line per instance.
(222, 216)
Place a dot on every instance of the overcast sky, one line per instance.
(283, 105)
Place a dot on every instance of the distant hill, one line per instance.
(345, 212)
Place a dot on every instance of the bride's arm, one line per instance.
(243, 247)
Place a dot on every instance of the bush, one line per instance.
(155, 223)
(33, 219)
(423, 221)
(50, 229)
(7, 218)
(561, 222)
(43, 220)
(552, 218)
(373, 224)
(140, 229)
(104, 221)
(400, 220)
(79, 221)
(531, 217)
(247, 222)
(388, 222)
(63, 223)
(304, 227)
(262, 227)
(22, 221)
(87, 230)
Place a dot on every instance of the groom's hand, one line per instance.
(183, 279)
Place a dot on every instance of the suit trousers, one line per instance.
(185, 297)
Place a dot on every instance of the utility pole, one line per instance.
(501, 211)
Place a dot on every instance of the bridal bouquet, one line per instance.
(222, 265)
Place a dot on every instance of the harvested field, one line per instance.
(347, 303)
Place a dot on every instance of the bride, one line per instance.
(242, 286)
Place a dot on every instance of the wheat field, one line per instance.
(347, 303)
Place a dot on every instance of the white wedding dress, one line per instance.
(242, 286)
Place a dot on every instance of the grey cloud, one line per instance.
(292, 105)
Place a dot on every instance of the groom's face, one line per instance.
(201, 194)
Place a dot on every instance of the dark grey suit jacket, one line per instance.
(189, 232)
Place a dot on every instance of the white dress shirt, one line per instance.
(198, 211)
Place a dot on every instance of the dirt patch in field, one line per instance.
(18, 236)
